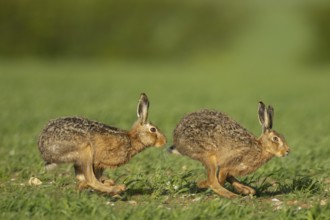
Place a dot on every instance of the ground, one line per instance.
(160, 185)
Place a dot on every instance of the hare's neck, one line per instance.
(136, 144)
(252, 160)
(263, 156)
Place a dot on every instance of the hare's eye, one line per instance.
(275, 139)
(153, 130)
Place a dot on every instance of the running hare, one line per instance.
(226, 149)
(92, 146)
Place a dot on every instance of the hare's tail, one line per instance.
(173, 150)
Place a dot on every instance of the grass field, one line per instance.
(162, 186)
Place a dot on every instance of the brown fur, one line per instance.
(93, 146)
(218, 141)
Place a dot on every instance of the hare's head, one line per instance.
(147, 133)
(272, 141)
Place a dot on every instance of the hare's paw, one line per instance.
(224, 192)
(115, 190)
(245, 190)
(203, 184)
(121, 187)
(106, 181)
(82, 185)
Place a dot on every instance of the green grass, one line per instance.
(162, 186)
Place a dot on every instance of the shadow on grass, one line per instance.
(303, 184)
(189, 188)
(185, 184)
(162, 183)
(265, 187)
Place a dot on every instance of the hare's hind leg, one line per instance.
(86, 164)
(210, 163)
(239, 187)
(204, 183)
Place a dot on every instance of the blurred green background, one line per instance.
(291, 31)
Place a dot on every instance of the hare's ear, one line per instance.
(261, 113)
(266, 115)
(264, 118)
(142, 108)
(270, 113)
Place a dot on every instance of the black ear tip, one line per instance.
(261, 105)
(270, 108)
(144, 97)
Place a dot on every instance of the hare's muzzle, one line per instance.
(285, 152)
(161, 141)
(282, 152)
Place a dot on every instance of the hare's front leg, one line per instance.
(212, 179)
(80, 177)
(98, 174)
(239, 187)
(85, 163)
(221, 178)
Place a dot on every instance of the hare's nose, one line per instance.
(287, 152)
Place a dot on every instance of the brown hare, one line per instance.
(92, 146)
(226, 149)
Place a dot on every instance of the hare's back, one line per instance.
(208, 130)
(62, 138)
(73, 130)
